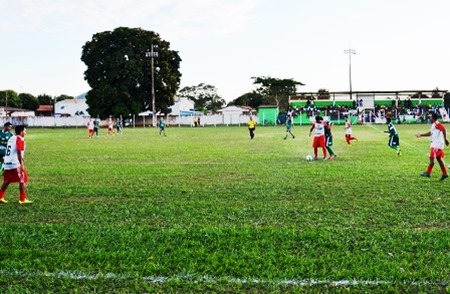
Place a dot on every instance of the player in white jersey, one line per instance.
(90, 126)
(319, 137)
(348, 131)
(438, 138)
(14, 166)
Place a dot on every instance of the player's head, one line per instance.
(20, 130)
(388, 120)
(318, 118)
(434, 116)
(7, 126)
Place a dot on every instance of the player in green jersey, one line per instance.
(394, 140)
(289, 127)
(162, 127)
(5, 134)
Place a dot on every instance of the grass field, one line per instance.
(208, 210)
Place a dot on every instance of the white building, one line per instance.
(71, 107)
(182, 107)
(232, 114)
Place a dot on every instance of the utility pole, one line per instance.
(152, 54)
(350, 52)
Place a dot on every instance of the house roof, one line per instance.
(45, 108)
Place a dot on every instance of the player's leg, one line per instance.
(441, 163)
(3, 191)
(347, 138)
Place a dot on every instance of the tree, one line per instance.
(10, 98)
(29, 101)
(45, 99)
(447, 100)
(119, 72)
(63, 97)
(323, 94)
(276, 91)
(205, 97)
(251, 99)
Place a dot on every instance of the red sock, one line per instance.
(2, 194)
(22, 196)
(444, 170)
(429, 169)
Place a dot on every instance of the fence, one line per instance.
(208, 120)
(136, 121)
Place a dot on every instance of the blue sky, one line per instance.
(399, 44)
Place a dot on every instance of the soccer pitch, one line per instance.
(209, 210)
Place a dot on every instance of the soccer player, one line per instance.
(438, 136)
(251, 127)
(96, 126)
(394, 140)
(329, 140)
(5, 134)
(110, 126)
(90, 126)
(162, 127)
(348, 131)
(319, 137)
(119, 125)
(14, 166)
(289, 127)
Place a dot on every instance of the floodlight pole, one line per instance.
(350, 52)
(153, 54)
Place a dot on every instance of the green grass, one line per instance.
(208, 210)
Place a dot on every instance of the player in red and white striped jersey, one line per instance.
(438, 138)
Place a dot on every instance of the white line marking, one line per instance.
(208, 279)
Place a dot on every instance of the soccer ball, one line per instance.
(309, 158)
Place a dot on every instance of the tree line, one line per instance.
(11, 98)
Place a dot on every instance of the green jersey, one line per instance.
(162, 124)
(4, 137)
(392, 130)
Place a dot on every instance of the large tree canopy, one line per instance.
(29, 101)
(276, 91)
(10, 98)
(120, 74)
(205, 97)
(251, 99)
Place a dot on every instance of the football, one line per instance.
(309, 158)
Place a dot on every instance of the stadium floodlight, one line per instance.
(152, 54)
(350, 52)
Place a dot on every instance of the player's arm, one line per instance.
(20, 148)
(427, 134)
(444, 133)
(310, 130)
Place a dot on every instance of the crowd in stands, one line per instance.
(402, 111)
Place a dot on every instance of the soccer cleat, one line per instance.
(284, 138)
(425, 174)
(443, 177)
(399, 153)
(26, 201)
(293, 137)
(324, 158)
(333, 156)
(3, 201)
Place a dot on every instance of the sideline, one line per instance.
(208, 279)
